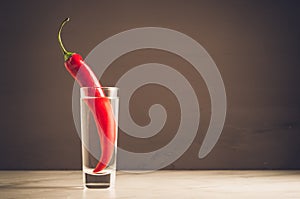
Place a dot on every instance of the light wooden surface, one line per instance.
(158, 184)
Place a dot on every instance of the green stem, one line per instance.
(67, 54)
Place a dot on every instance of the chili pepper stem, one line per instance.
(67, 54)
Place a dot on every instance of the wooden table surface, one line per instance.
(158, 184)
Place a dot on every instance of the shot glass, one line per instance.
(99, 132)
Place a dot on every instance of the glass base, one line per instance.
(101, 181)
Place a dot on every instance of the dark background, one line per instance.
(255, 45)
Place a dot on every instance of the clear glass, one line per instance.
(98, 113)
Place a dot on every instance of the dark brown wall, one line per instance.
(255, 45)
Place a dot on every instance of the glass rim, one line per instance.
(102, 87)
(88, 92)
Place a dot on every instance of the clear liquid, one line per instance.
(91, 151)
(90, 163)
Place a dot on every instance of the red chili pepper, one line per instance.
(99, 106)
